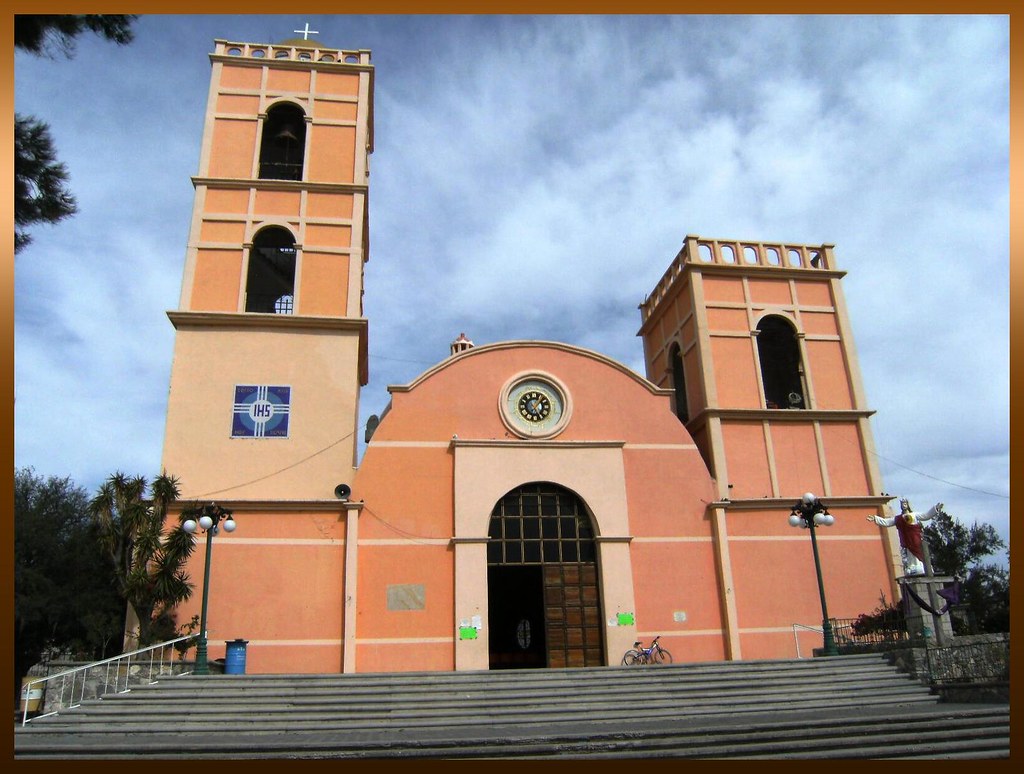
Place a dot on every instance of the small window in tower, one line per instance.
(779, 354)
(284, 143)
(270, 283)
(679, 383)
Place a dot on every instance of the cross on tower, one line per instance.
(307, 32)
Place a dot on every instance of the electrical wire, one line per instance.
(276, 472)
(936, 478)
(399, 531)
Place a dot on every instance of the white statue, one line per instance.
(908, 525)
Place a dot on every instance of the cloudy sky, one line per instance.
(580, 150)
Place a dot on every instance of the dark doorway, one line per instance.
(515, 597)
(543, 599)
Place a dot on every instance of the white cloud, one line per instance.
(533, 177)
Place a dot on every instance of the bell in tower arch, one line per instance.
(287, 137)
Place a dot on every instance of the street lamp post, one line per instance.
(210, 522)
(810, 513)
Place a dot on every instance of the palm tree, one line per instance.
(148, 563)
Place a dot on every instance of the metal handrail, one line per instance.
(114, 662)
(796, 638)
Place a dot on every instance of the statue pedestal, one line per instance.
(935, 629)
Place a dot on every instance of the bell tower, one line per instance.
(754, 340)
(270, 340)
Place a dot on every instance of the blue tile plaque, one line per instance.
(261, 411)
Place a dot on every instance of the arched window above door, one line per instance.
(270, 281)
(283, 146)
(778, 351)
(540, 523)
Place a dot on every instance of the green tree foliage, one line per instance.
(148, 562)
(41, 194)
(64, 596)
(959, 550)
(40, 181)
(49, 34)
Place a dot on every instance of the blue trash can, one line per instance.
(234, 658)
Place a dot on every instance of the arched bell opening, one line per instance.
(781, 367)
(283, 147)
(270, 280)
(679, 384)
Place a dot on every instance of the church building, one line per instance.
(521, 503)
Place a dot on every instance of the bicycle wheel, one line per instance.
(661, 656)
(632, 658)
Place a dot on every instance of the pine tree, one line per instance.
(40, 181)
(41, 194)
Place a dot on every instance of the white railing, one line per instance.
(796, 637)
(77, 684)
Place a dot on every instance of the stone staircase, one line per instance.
(840, 707)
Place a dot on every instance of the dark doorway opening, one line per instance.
(515, 597)
(543, 600)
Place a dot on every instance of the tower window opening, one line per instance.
(781, 371)
(270, 284)
(679, 383)
(283, 146)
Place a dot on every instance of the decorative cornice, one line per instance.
(278, 185)
(786, 503)
(788, 272)
(293, 64)
(527, 343)
(540, 443)
(187, 319)
(249, 506)
(780, 415)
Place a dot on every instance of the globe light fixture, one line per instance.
(213, 519)
(810, 513)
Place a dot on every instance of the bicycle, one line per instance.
(652, 655)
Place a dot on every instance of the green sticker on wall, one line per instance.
(625, 619)
(467, 632)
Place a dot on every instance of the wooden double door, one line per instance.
(543, 593)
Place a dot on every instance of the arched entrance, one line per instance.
(542, 593)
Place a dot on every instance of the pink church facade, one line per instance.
(520, 504)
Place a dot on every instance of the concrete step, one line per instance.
(851, 706)
(962, 732)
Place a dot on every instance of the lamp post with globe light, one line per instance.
(212, 519)
(810, 513)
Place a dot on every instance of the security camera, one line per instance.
(342, 491)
